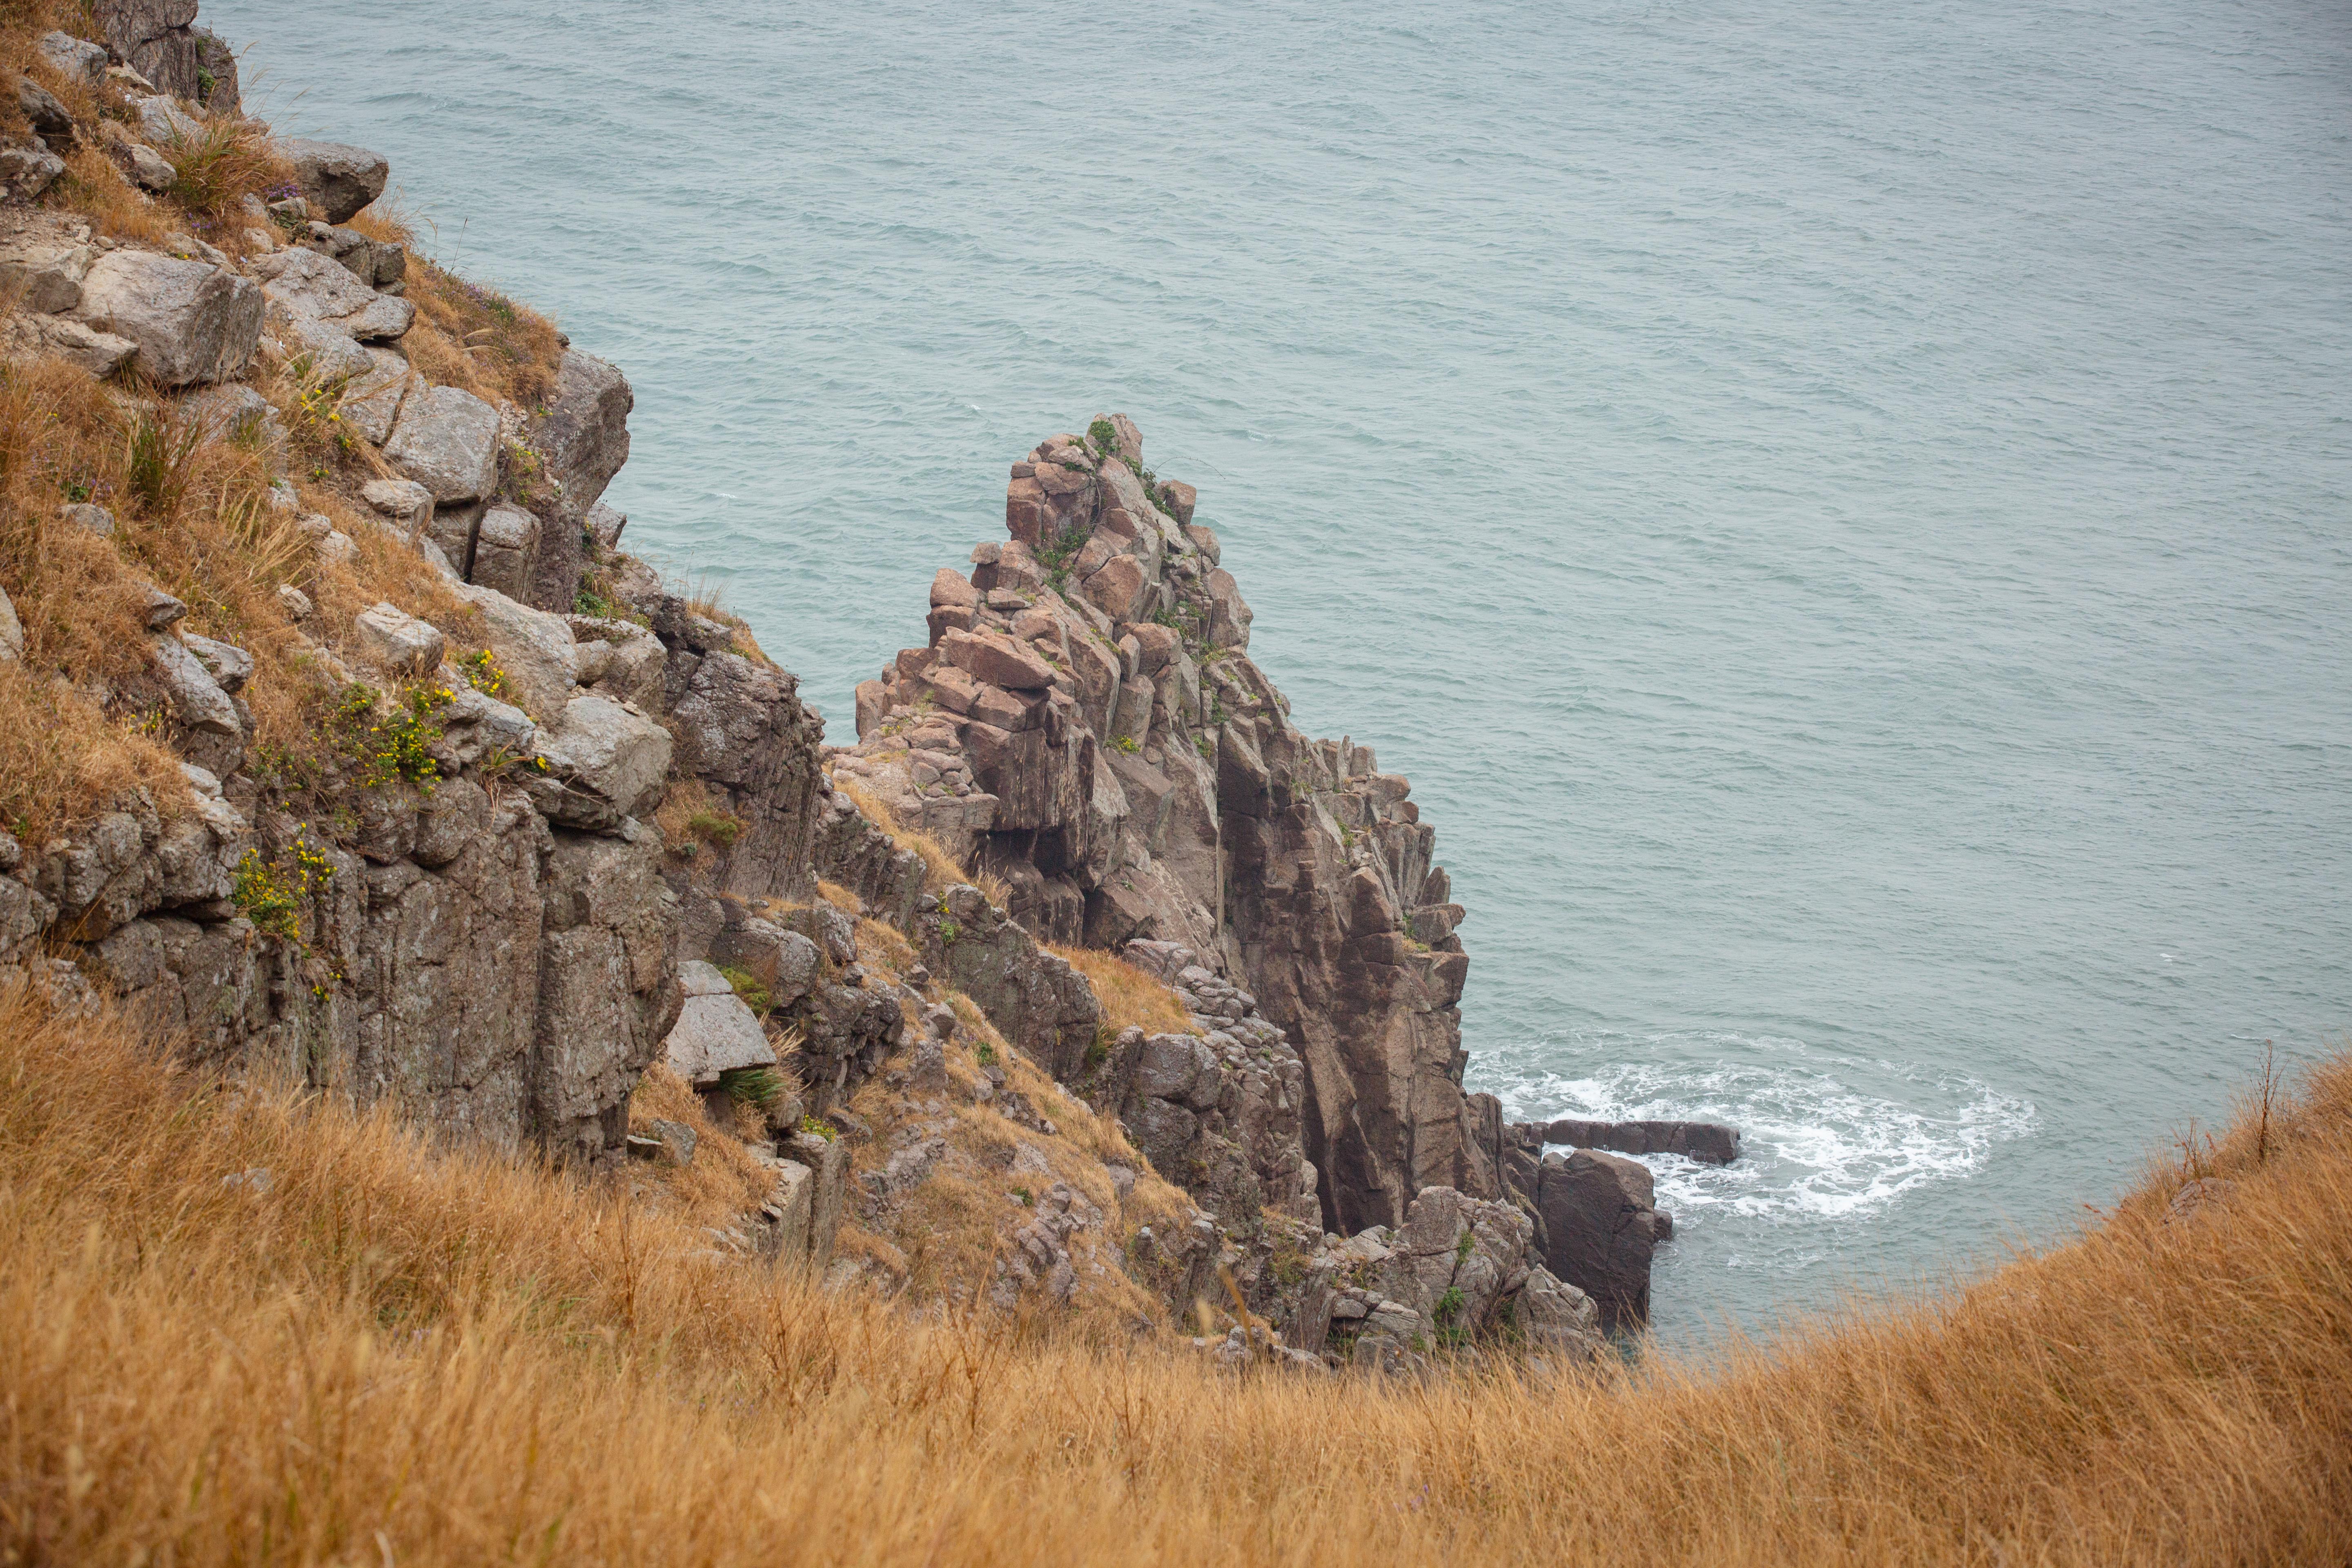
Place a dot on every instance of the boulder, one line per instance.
(99, 353)
(191, 321)
(72, 57)
(96, 520)
(1117, 587)
(27, 171)
(44, 273)
(12, 630)
(163, 122)
(1708, 1142)
(232, 413)
(604, 765)
(715, 1032)
(334, 354)
(155, 37)
(302, 282)
(388, 639)
(337, 179)
(197, 700)
(448, 441)
(951, 587)
(371, 407)
(1600, 1228)
(535, 649)
(50, 119)
(995, 660)
(506, 542)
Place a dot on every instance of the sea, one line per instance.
(1840, 506)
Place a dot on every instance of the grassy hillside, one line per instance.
(238, 1327)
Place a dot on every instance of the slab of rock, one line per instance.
(50, 119)
(995, 659)
(165, 122)
(607, 763)
(337, 179)
(506, 541)
(231, 412)
(604, 525)
(1708, 1142)
(28, 171)
(46, 272)
(1599, 1229)
(192, 322)
(536, 649)
(302, 282)
(448, 441)
(715, 1032)
(390, 639)
(12, 632)
(99, 353)
(71, 57)
(197, 700)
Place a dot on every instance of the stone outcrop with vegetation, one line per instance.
(352, 749)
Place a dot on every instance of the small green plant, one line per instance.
(1056, 556)
(758, 1088)
(395, 744)
(1346, 837)
(1105, 436)
(1098, 1049)
(1023, 1196)
(522, 471)
(483, 674)
(984, 1054)
(754, 994)
(1447, 1314)
(1127, 744)
(716, 828)
(271, 895)
(586, 602)
(1461, 1251)
(1206, 747)
(825, 1130)
(948, 931)
(158, 471)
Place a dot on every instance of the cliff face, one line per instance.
(1087, 723)
(426, 794)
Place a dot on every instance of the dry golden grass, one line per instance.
(390, 1354)
(941, 870)
(218, 167)
(191, 517)
(723, 1181)
(1129, 997)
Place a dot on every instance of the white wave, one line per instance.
(1813, 1146)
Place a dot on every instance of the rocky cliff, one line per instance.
(381, 767)
(1086, 722)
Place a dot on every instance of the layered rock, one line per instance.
(1087, 724)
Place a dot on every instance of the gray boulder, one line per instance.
(50, 119)
(715, 1032)
(192, 322)
(165, 123)
(302, 282)
(533, 648)
(99, 353)
(604, 763)
(71, 57)
(27, 171)
(448, 441)
(197, 698)
(11, 631)
(506, 541)
(337, 179)
(389, 639)
(372, 403)
(156, 37)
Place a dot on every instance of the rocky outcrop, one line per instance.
(1600, 1226)
(1087, 724)
(1708, 1142)
(1458, 1272)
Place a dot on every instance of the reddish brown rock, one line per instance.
(1180, 499)
(996, 661)
(951, 688)
(1117, 589)
(950, 588)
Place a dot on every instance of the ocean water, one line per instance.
(1839, 507)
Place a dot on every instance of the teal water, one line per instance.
(1839, 507)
